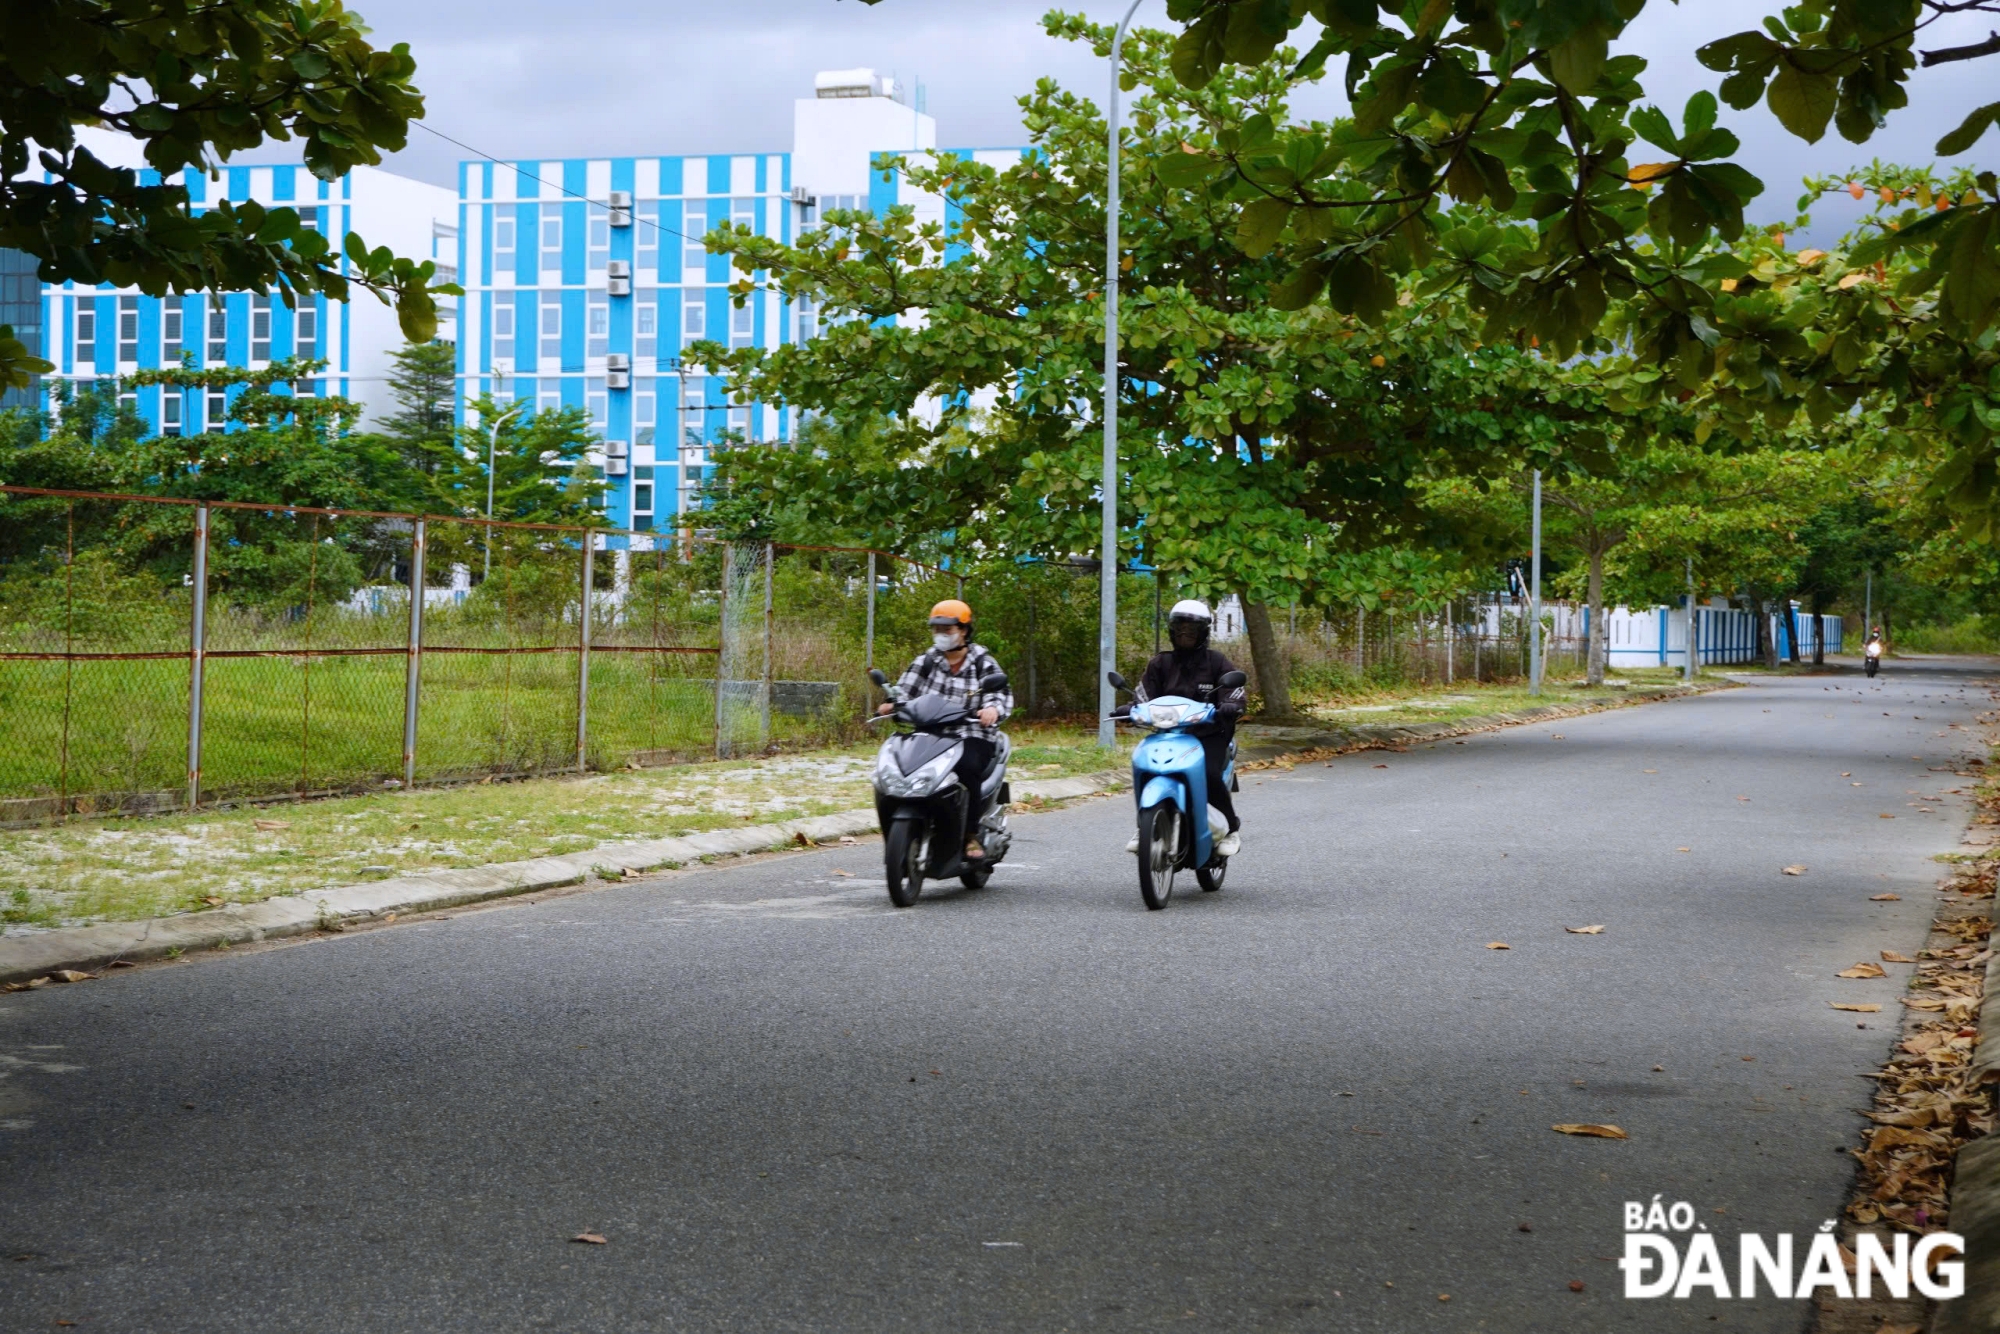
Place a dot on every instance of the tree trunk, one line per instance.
(1595, 671)
(1767, 642)
(1819, 633)
(1791, 633)
(1272, 681)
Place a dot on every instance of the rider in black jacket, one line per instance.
(1193, 670)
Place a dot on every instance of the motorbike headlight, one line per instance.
(1165, 715)
(924, 782)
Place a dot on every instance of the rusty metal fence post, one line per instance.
(414, 661)
(583, 656)
(197, 654)
(764, 703)
(871, 612)
(722, 638)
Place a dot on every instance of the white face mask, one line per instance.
(946, 640)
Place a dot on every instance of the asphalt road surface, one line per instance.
(1313, 1101)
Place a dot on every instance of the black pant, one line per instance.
(1215, 749)
(971, 768)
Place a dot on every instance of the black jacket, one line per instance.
(1195, 675)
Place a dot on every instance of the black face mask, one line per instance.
(1187, 636)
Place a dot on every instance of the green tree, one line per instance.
(1259, 446)
(195, 82)
(539, 474)
(424, 381)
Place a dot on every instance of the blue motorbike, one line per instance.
(1170, 781)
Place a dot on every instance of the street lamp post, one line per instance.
(1107, 612)
(492, 448)
(1535, 595)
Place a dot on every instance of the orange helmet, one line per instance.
(952, 612)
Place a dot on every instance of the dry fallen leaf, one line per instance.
(848, 874)
(1885, 898)
(1864, 969)
(1858, 1009)
(1596, 930)
(1899, 1329)
(1651, 771)
(1893, 956)
(590, 1239)
(1381, 766)
(1795, 870)
(1498, 945)
(1683, 849)
(71, 975)
(1555, 736)
(1885, 816)
(273, 824)
(390, 918)
(211, 900)
(1576, 1284)
(1588, 1129)
(847, 838)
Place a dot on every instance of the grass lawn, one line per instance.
(124, 869)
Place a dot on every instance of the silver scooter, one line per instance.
(922, 807)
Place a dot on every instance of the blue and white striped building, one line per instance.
(96, 333)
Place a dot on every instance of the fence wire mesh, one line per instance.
(155, 652)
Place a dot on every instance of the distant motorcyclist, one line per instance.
(954, 666)
(1193, 670)
(1872, 650)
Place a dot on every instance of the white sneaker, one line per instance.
(1133, 846)
(1227, 845)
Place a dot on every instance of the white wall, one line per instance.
(397, 212)
(833, 139)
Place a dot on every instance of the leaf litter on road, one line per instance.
(1589, 1130)
(1498, 945)
(1793, 870)
(1863, 969)
(1595, 930)
(1857, 1007)
(590, 1239)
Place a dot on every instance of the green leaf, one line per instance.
(1699, 115)
(1972, 283)
(1654, 127)
(1576, 63)
(1391, 88)
(1969, 130)
(1261, 223)
(311, 64)
(1301, 287)
(1184, 171)
(1803, 103)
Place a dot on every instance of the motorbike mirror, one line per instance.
(1231, 680)
(997, 681)
(1117, 681)
(875, 675)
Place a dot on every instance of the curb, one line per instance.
(31, 959)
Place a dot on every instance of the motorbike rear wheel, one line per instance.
(1159, 853)
(903, 854)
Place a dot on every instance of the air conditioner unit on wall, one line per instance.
(801, 195)
(618, 268)
(621, 208)
(617, 449)
(617, 379)
(618, 287)
(617, 361)
(614, 467)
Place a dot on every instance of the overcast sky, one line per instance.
(603, 78)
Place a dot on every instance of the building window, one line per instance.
(646, 237)
(644, 399)
(128, 329)
(600, 240)
(308, 331)
(739, 422)
(503, 245)
(305, 389)
(694, 225)
(549, 397)
(218, 409)
(218, 332)
(808, 320)
(552, 326)
(170, 411)
(597, 313)
(642, 497)
(503, 331)
(128, 402)
(86, 332)
(694, 320)
(596, 400)
(551, 240)
(172, 332)
(260, 328)
(309, 219)
(742, 326)
(646, 326)
(743, 213)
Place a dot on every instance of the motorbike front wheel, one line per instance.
(1872, 666)
(903, 861)
(1159, 851)
(1210, 876)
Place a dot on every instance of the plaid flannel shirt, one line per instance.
(930, 674)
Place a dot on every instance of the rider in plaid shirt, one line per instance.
(953, 667)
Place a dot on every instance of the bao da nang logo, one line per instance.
(1669, 1254)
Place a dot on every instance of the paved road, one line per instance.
(1038, 1107)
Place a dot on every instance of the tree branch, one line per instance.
(1948, 54)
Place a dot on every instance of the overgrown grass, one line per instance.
(124, 869)
(1369, 703)
(1974, 634)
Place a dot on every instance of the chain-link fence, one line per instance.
(158, 654)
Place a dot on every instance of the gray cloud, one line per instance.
(587, 78)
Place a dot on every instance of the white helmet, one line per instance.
(1194, 613)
